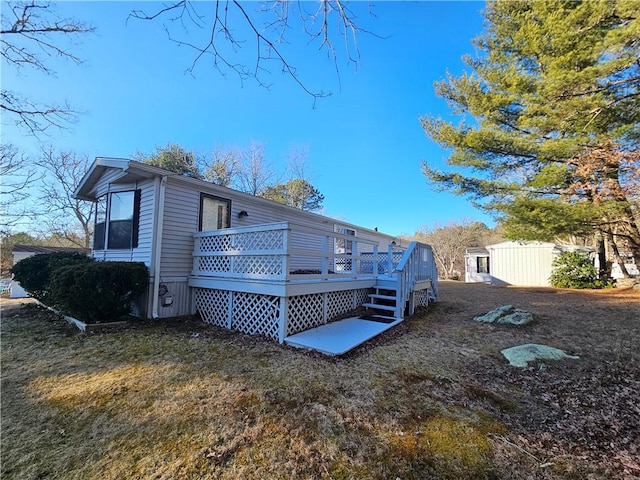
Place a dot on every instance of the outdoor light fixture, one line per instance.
(243, 213)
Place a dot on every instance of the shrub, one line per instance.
(575, 270)
(100, 291)
(34, 273)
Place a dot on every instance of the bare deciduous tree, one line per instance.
(256, 174)
(64, 215)
(450, 243)
(231, 25)
(30, 33)
(17, 175)
(222, 167)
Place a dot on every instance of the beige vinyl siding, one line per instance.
(103, 185)
(180, 222)
(182, 205)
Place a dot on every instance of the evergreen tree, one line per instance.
(549, 120)
(174, 158)
(297, 193)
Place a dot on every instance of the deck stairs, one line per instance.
(394, 296)
(383, 304)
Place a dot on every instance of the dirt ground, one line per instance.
(586, 409)
(385, 406)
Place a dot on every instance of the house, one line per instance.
(244, 262)
(21, 252)
(514, 263)
(476, 265)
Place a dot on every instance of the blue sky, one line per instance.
(365, 143)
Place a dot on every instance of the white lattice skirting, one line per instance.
(421, 298)
(258, 314)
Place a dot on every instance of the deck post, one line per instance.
(286, 260)
(324, 260)
(412, 303)
(355, 263)
(196, 258)
(283, 319)
(229, 309)
(324, 307)
(374, 266)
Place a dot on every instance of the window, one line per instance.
(214, 213)
(100, 226)
(482, 264)
(117, 219)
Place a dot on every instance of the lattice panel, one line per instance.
(366, 266)
(395, 259)
(267, 240)
(256, 314)
(339, 303)
(212, 305)
(421, 298)
(362, 296)
(214, 264)
(261, 265)
(215, 243)
(304, 312)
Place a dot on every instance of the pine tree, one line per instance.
(549, 121)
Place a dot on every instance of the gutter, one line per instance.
(157, 247)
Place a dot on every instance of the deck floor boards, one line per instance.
(337, 338)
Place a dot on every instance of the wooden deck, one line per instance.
(280, 280)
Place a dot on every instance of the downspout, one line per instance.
(157, 248)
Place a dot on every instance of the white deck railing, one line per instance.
(416, 267)
(287, 252)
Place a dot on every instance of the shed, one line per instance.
(515, 263)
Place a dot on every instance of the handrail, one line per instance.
(417, 265)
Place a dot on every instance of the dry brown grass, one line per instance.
(432, 398)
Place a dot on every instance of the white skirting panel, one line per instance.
(258, 314)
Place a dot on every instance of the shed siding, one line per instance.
(525, 265)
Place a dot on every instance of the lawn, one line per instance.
(431, 398)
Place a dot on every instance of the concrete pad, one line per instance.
(337, 338)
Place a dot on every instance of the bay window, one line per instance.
(117, 219)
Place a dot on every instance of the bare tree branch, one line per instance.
(36, 118)
(17, 175)
(65, 215)
(30, 35)
(331, 18)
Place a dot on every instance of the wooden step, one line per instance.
(382, 297)
(384, 284)
(379, 318)
(389, 308)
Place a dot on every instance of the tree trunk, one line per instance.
(616, 254)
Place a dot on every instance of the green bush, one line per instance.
(575, 270)
(34, 273)
(99, 292)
